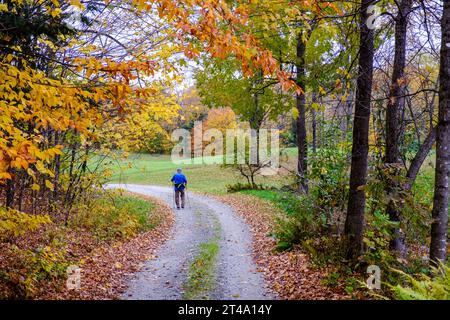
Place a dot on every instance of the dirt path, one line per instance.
(204, 221)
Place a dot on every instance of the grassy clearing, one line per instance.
(158, 169)
(424, 186)
(286, 201)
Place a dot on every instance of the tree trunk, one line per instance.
(396, 99)
(354, 224)
(438, 246)
(393, 126)
(10, 189)
(419, 158)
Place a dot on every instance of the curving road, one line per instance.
(204, 218)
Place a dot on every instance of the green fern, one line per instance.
(426, 288)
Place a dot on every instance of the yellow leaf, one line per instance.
(5, 175)
(294, 113)
(315, 106)
(55, 13)
(31, 173)
(322, 91)
(49, 185)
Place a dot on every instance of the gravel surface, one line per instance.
(163, 277)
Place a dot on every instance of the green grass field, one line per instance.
(158, 170)
(424, 186)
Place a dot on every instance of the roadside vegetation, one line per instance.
(314, 224)
(37, 250)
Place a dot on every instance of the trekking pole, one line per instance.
(173, 198)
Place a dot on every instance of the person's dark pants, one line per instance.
(179, 194)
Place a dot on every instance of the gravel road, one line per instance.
(162, 278)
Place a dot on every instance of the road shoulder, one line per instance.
(288, 273)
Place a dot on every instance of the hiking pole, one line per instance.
(173, 198)
(188, 202)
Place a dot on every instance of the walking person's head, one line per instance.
(179, 170)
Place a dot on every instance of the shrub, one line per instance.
(329, 175)
(28, 268)
(300, 221)
(376, 239)
(14, 223)
(231, 188)
(115, 216)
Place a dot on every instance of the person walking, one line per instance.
(179, 183)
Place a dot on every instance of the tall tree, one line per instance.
(393, 114)
(302, 144)
(354, 224)
(439, 226)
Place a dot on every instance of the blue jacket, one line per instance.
(179, 181)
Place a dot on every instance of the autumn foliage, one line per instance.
(84, 82)
(81, 79)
